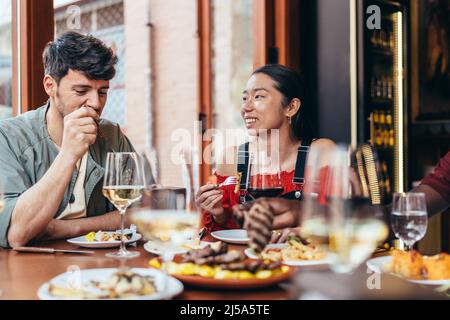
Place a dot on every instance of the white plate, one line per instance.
(154, 248)
(175, 287)
(237, 236)
(296, 263)
(379, 265)
(82, 242)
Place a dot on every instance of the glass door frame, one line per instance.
(32, 29)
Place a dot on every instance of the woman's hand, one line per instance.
(209, 199)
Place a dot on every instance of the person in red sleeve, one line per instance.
(436, 186)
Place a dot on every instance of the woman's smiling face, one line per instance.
(262, 104)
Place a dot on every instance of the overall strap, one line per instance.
(299, 174)
(243, 162)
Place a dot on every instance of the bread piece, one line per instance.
(408, 264)
(437, 267)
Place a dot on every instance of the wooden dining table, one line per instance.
(21, 275)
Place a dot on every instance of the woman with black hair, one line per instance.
(271, 100)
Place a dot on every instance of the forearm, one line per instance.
(63, 229)
(36, 207)
(435, 202)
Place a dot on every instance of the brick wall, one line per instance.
(174, 64)
(137, 66)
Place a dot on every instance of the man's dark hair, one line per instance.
(82, 53)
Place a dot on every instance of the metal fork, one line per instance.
(228, 181)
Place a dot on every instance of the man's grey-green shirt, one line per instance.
(27, 152)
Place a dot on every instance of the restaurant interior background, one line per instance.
(187, 60)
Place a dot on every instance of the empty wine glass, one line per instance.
(409, 217)
(123, 185)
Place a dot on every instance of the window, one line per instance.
(122, 25)
(232, 59)
(231, 66)
(103, 19)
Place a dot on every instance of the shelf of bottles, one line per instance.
(384, 90)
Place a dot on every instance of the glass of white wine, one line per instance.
(347, 226)
(171, 220)
(123, 185)
(316, 219)
(358, 227)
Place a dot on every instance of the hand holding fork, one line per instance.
(209, 198)
(231, 180)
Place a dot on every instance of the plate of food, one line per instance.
(110, 283)
(415, 267)
(105, 239)
(156, 248)
(236, 236)
(293, 253)
(217, 267)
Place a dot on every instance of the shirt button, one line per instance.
(97, 173)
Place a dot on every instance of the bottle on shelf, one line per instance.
(373, 85)
(383, 41)
(386, 178)
(378, 88)
(386, 129)
(384, 87)
(381, 129)
(391, 133)
(390, 88)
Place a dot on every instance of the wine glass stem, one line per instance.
(167, 258)
(122, 222)
(409, 246)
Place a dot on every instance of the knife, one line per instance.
(49, 250)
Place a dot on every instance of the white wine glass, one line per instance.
(409, 217)
(316, 219)
(123, 185)
(171, 219)
(347, 226)
(357, 225)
